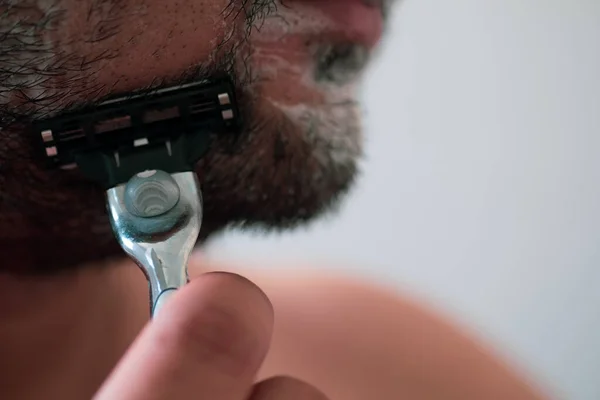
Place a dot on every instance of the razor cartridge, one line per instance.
(168, 129)
(142, 150)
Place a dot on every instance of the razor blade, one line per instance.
(168, 129)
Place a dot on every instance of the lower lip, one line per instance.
(360, 22)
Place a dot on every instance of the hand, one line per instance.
(207, 343)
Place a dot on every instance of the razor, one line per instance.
(142, 149)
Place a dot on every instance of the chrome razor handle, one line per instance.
(156, 218)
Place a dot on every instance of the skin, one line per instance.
(331, 331)
(219, 329)
(74, 320)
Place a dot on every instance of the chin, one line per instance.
(293, 163)
(298, 154)
(289, 166)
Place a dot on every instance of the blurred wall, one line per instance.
(481, 189)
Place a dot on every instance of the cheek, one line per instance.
(125, 45)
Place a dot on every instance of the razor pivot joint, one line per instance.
(156, 218)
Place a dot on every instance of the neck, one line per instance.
(51, 327)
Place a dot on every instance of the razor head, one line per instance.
(168, 129)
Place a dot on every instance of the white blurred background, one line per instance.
(481, 189)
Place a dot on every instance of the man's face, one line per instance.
(296, 64)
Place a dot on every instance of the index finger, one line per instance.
(207, 342)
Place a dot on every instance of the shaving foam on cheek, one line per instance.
(335, 118)
(273, 58)
(335, 121)
(272, 55)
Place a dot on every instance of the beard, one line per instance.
(294, 160)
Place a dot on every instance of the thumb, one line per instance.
(208, 342)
